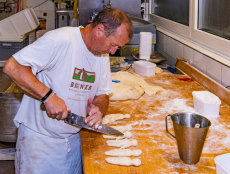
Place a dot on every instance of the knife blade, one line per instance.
(77, 120)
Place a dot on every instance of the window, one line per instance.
(175, 10)
(214, 17)
(201, 24)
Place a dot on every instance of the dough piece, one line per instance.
(126, 92)
(123, 152)
(129, 79)
(124, 161)
(113, 117)
(122, 143)
(126, 135)
(103, 55)
(158, 70)
(123, 128)
(128, 127)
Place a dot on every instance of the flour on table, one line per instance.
(122, 143)
(123, 152)
(113, 117)
(125, 161)
(126, 92)
(178, 105)
(129, 79)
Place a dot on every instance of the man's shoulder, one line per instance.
(64, 33)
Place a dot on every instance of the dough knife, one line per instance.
(76, 120)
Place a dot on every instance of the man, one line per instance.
(64, 71)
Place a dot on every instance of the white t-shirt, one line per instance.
(61, 61)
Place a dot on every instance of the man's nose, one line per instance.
(113, 50)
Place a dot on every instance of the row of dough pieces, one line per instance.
(131, 86)
(122, 154)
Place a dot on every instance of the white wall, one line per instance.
(171, 49)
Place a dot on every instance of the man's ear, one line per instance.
(100, 30)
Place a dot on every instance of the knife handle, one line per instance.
(43, 107)
(70, 118)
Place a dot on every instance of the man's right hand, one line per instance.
(56, 108)
(28, 82)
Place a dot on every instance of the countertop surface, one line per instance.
(159, 150)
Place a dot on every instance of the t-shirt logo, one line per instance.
(83, 75)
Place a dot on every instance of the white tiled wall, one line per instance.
(188, 54)
(178, 49)
(199, 61)
(225, 76)
(213, 69)
(171, 49)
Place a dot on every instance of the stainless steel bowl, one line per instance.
(9, 105)
(155, 57)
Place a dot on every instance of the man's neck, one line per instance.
(86, 34)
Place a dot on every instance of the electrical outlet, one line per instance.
(2, 0)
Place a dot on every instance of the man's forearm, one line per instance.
(102, 102)
(24, 78)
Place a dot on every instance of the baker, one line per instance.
(66, 70)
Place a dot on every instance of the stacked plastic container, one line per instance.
(145, 45)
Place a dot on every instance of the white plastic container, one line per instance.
(206, 103)
(19, 23)
(223, 164)
(145, 68)
(63, 5)
(145, 45)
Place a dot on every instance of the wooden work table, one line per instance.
(159, 150)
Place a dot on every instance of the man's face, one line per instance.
(111, 43)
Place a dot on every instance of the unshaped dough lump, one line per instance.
(158, 70)
(125, 161)
(129, 79)
(126, 135)
(126, 92)
(113, 117)
(122, 143)
(123, 128)
(123, 152)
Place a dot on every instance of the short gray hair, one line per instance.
(111, 19)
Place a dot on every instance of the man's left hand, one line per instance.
(96, 109)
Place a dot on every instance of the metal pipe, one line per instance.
(109, 4)
(59, 4)
(21, 7)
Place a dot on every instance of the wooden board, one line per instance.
(159, 150)
(209, 84)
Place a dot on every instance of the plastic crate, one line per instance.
(7, 48)
(19, 23)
